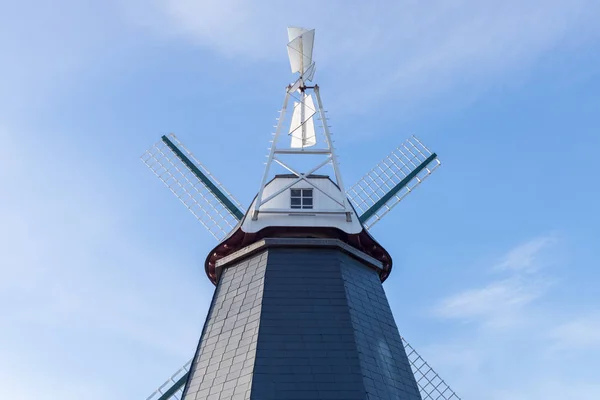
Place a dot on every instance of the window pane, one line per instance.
(301, 198)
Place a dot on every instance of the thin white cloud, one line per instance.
(411, 49)
(525, 257)
(579, 333)
(519, 345)
(498, 303)
(491, 301)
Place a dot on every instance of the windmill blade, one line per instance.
(302, 128)
(300, 48)
(382, 188)
(194, 185)
(173, 387)
(431, 386)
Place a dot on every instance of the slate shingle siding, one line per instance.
(384, 364)
(300, 324)
(306, 346)
(224, 362)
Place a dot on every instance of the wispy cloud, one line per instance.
(498, 303)
(517, 344)
(526, 257)
(582, 332)
(414, 50)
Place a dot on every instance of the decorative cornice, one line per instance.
(296, 243)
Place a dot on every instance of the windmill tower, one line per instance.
(299, 310)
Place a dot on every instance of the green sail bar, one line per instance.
(375, 207)
(204, 179)
(173, 389)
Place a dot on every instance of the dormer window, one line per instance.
(301, 198)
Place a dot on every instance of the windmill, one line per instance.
(301, 265)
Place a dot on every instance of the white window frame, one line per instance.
(304, 195)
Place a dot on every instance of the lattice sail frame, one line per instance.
(173, 387)
(431, 386)
(382, 188)
(195, 194)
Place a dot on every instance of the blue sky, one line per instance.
(102, 290)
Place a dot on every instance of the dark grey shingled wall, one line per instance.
(224, 361)
(303, 324)
(306, 346)
(384, 364)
